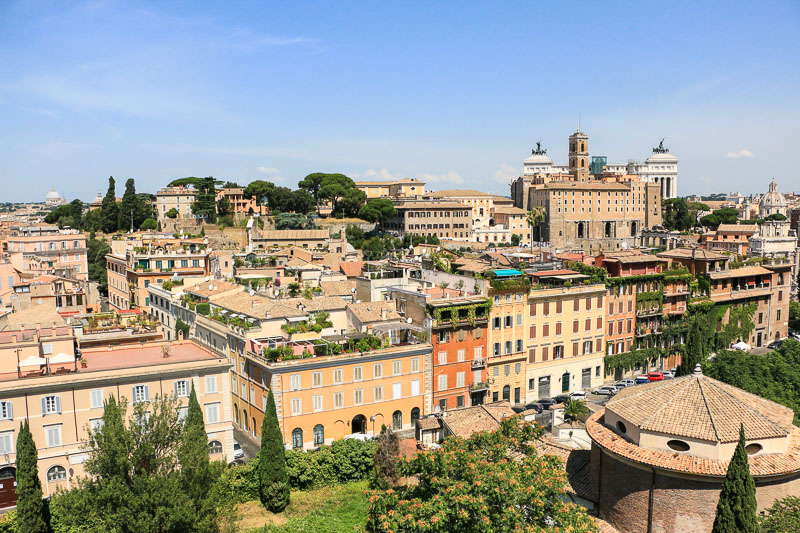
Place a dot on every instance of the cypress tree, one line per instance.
(273, 479)
(736, 510)
(30, 507)
(197, 475)
(128, 207)
(109, 210)
(693, 350)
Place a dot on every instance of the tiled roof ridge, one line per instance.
(708, 408)
(752, 409)
(664, 405)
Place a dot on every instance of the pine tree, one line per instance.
(30, 507)
(197, 472)
(273, 479)
(692, 353)
(128, 207)
(736, 510)
(109, 210)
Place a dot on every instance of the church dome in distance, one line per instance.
(53, 195)
(773, 202)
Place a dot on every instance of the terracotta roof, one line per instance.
(696, 253)
(753, 270)
(318, 303)
(428, 423)
(474, 266)
(561, 272)
(464, 422)
(575, 462)
(291, 234)
(456, 193)
(636, 257)
(737, 228)
(258, 306)
(766, 465)
(367, 312)
(700, 407)
(510, 211)
(338, 288)
(351, 269)
(209, 288)
(43, 315)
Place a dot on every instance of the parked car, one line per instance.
(561, 398)
(628, 382)
(535, 407)
(238, 453)
(642, 379)
(578, 395)
(606, 390)
(546, 403)
(794, 334)
(655, 376)
(517, 408)
(668, 374)
(774, 345)
(621, 385)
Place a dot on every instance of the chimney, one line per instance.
(383, 314)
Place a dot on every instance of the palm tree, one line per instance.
(535, 217)
(460, 285)
(574, 409)
(293, 288)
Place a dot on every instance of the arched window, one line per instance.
(57, 473)
(246, 420)
(319, 435)
(581, 230)
(414, 415)
(608, 229)
(297, 439)
(397, 420)
(214, 447)
(236, 414)
(634, 228)
(254, 426)
(507, 393)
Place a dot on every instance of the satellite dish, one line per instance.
(409, 320)
(624, 245)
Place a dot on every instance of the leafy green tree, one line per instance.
(313, 183)
(384, 463)
(491, 482)
(351, 202)
(109, 216)
(536, 216)
(273, 480)
(736, 510)
(725, 215)
(231, 185)
(258, 190)
(128, 208)
(197, 472)
(373, 249)
(181, 326)
(345, 198)
(301, 201)
(377, 210)
(784, 515)
(149, 224)
(693, 352)
(355, 236)
(794, 313)
(96, 251)
(30, 508)
(279, 199)
(172, 213)
(224, 207)
(675, 214)
(206, 202)
(293, 221)
(776, 216)
(515, 239)
(92, 220)
(75, 213)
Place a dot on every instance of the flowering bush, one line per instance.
(491, 482)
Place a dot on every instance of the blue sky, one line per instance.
(452, 93)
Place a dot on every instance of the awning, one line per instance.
(33, 361)
(62, 358)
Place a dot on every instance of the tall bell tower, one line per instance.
(579, 155)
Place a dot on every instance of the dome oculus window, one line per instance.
(621, 427)
(678, 445)
(753, 448)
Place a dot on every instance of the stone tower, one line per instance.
(579, 155)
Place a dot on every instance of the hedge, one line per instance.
(341, 462)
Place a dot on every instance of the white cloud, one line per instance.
(448, 177)
(505, 174)
(741, 154)
(266, 170)
(383, 174)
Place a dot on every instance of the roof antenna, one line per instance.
(579, 121)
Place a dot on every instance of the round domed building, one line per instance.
(772, 202)
(53, 198)
(660, 452)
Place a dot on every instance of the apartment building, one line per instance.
(240, 204)
(507, 355)
(446, 220)
(481, 204)
(178, 198)
(404, 188)
(67, 296)
(768, 287)
(515, 220)
(730, 237)
(130, 273)
(61, 399)
(565, 336)
(37, 250)
(697, 260)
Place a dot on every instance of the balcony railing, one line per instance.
(478, 363)
(649, 312)
(482, 385)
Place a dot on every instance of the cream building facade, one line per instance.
(178, 198)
